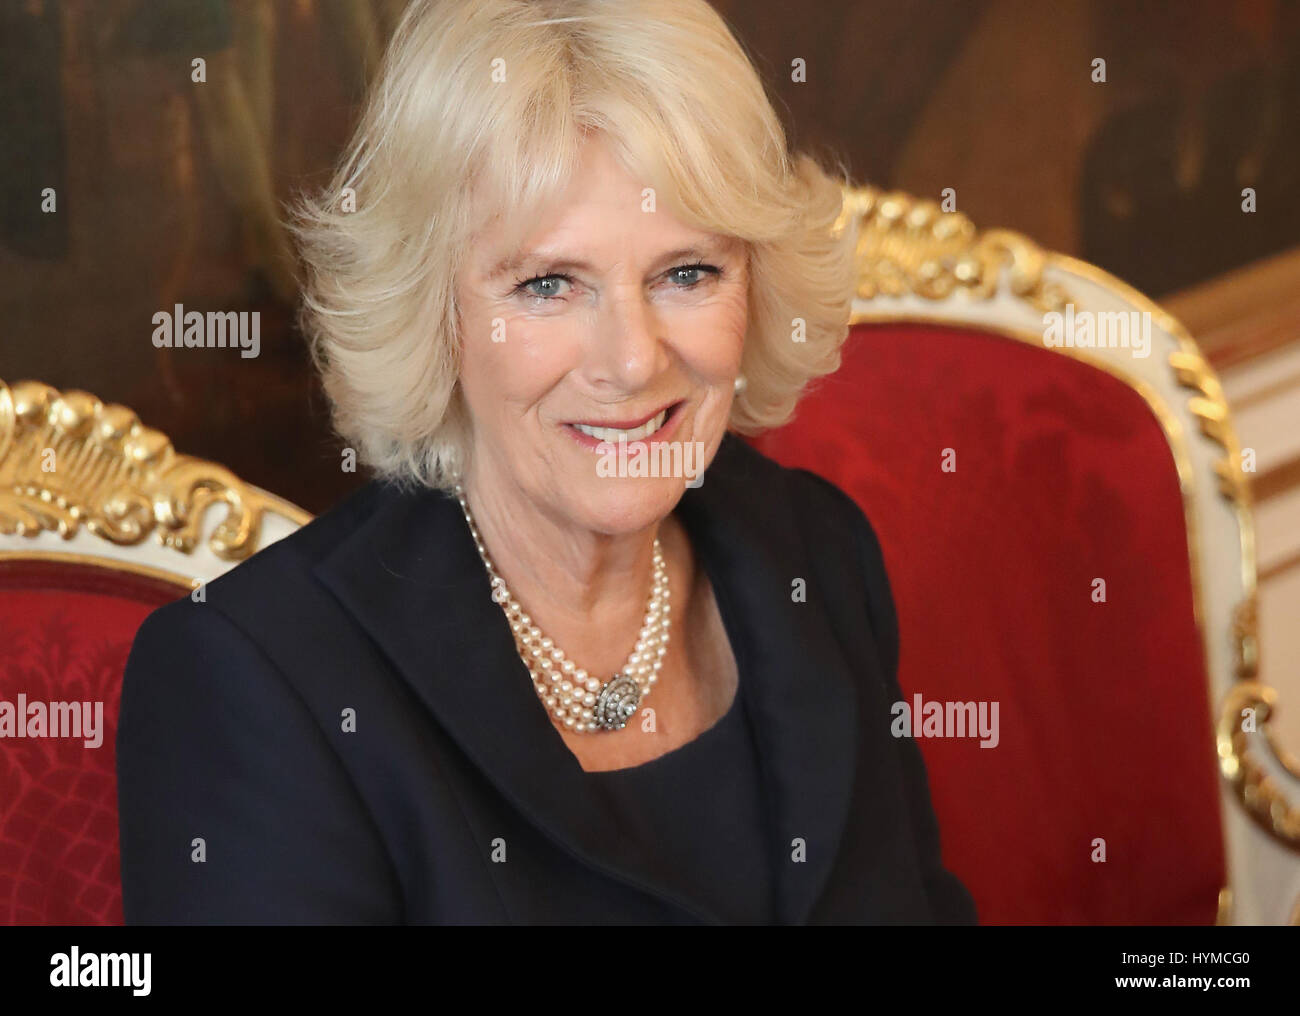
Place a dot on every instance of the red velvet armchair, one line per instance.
(1067, 532)
(100, 522)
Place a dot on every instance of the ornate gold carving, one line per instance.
(906, 245)
(1264, 800)
(68, 460)
(1245, 637)
(1261, 793)
(1211, 410)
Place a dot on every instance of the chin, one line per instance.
(624, 505)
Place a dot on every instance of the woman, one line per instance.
(545, 668)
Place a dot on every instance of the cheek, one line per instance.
(512, 361)
(712, 339)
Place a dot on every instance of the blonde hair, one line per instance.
(667, 85)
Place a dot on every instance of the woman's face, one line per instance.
(611, 316)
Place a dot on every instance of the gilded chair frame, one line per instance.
(920, 263)
(86, 482)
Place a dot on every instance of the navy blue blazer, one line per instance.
(244, 797)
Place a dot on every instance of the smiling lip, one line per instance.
(625, 424)
(666, 429)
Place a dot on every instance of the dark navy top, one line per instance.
(450, 801)
(698, 810)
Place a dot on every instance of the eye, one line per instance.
(683, 274)
(547, 287)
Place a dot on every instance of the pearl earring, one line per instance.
(740, 383)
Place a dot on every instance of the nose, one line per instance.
(626, 351)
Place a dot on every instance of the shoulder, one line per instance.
(277, 570)
(275, 575)
(753, 473)
(314, 541)
(837, 535)
(831, 518)
(258, 638)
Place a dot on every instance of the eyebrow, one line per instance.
(515, 261)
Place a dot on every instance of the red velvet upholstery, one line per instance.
(65, 631)
(1062, 475)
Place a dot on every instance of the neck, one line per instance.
(586, 590)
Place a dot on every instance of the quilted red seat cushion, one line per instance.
(1063, 475)
(65, 631)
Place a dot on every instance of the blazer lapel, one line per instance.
(412, 578)
(801, 686)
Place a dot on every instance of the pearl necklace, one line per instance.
(573, 698)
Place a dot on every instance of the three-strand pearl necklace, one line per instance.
(574, 699)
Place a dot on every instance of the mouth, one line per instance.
(591, 433)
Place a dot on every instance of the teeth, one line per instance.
(617, 434)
